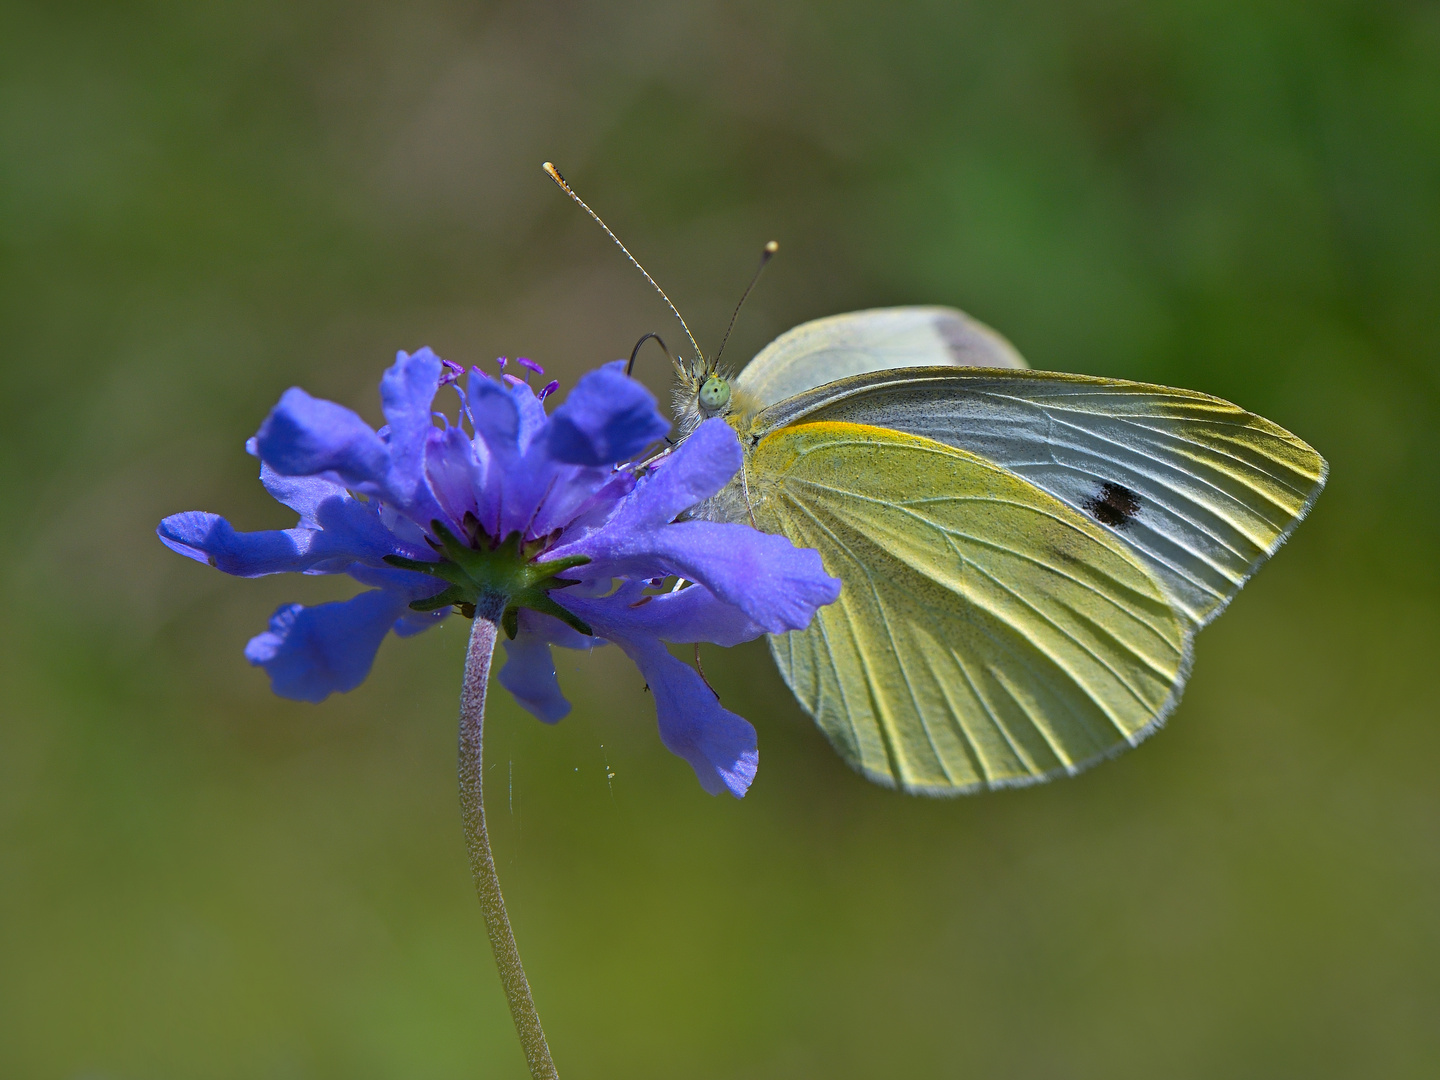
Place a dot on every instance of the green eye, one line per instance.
(715, 393)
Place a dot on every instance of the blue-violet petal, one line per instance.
(311, 652)
(607, 419)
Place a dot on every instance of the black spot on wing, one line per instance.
(1113, 505)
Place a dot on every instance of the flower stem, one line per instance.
(477, 839)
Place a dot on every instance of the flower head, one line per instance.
(542, 510)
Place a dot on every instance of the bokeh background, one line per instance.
(202, 204)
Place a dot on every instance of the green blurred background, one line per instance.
(203, 204)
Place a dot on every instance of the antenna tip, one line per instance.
(770, 248)
(553, 173)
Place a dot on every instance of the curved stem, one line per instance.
(477, 840)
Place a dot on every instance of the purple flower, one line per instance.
(546, 510)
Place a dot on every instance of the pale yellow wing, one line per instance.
(1200, 489)
(824, 350)
(986, 635)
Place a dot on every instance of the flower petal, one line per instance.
(417, 622)
(569, 492)
(410, 584)
(509, 422)
(534, 423)
(455, 473)
(495, 416)
(608, 418)
(775, 583)
(527, 488)
(692, 614)
(303, 494)
(529, 674)
(719, 745)
(303, 436)
(407, 390)
(696, 469)
(310, 653)
(548, 628)
(507, 418)
(350, 532)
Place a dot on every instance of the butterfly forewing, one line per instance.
(987, 634)
(1200, 489)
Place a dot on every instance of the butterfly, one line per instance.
(1025, 556)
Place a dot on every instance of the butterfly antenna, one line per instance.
(554, 174)
(770, 249)
(636, 351)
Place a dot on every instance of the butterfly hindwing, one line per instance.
(987, 634)
(838, 346)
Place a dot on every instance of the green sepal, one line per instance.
(502, 570)
(452, 595)
(402, 563)
(546, 606)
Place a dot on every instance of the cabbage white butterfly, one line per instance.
(1026, 556)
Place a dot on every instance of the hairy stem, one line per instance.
(477, 839)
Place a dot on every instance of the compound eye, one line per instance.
(715, 394)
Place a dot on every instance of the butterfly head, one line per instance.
(702, 390)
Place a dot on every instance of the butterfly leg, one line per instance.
(701, 671)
